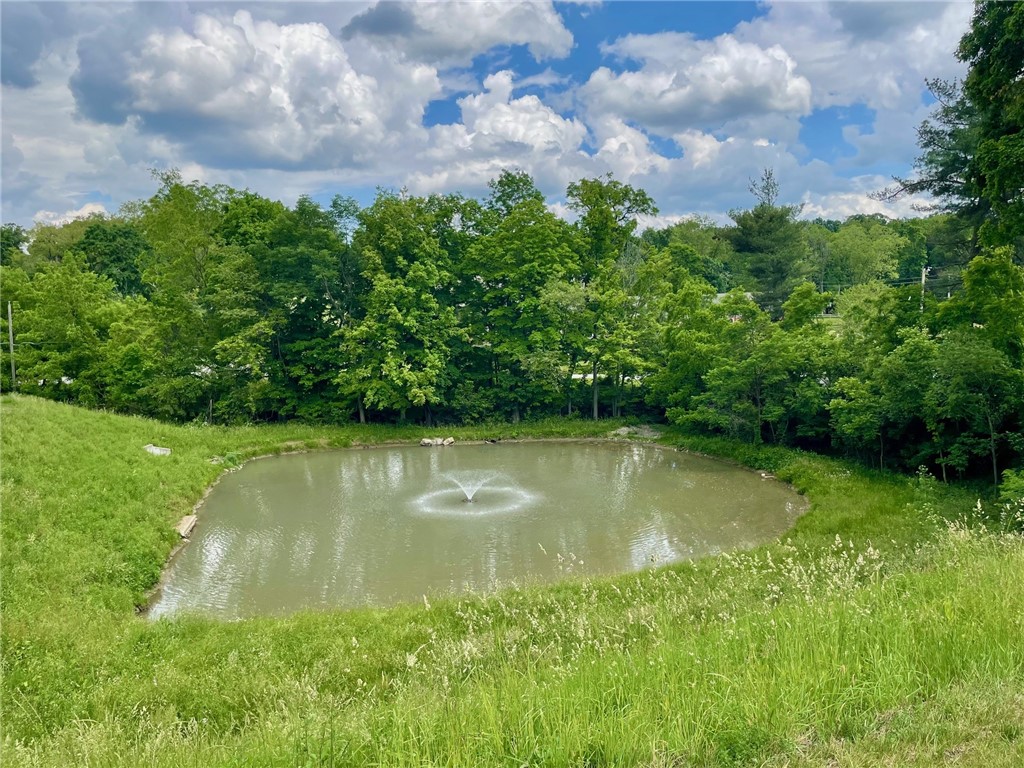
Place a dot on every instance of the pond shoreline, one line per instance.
(647, 438)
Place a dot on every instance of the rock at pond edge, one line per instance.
(185, 526)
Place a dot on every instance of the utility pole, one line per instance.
(924, 274)
(10, 342)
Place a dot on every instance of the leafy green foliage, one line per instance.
(115, 249)
(66, 311)
(863, 249)
(771, 244)
(994, 51)
(972, 148)
(506, 271)
(608, 211)
(398, 354)
(52, 242)
(949, 143)
(12, 238)
(992, 302)
(209, 304)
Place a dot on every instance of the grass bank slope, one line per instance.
(875, 634)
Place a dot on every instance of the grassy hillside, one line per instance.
(877, 633)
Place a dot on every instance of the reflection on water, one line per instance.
(380, 526)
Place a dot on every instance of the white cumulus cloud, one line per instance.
(874, 53)
(499, 130)
(280, 93)
(52, 217)
(452, 33)
(685, 83)
(626, 151)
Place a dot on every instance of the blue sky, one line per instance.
(689, 100)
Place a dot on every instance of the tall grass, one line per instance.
(881, 631)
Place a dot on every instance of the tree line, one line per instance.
(207, 303)
(214, 304)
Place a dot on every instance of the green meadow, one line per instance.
(884, 630)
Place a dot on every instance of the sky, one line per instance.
(687, 100)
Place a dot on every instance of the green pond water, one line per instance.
(387, 525)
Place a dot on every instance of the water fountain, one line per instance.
(469, 482)
(490, 493)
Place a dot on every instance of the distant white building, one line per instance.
(720, 297)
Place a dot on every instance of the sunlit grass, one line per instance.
(880, 631)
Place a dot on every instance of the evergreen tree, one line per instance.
(770, 245)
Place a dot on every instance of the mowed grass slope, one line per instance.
(875, 634)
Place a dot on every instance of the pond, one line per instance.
(388, 525)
